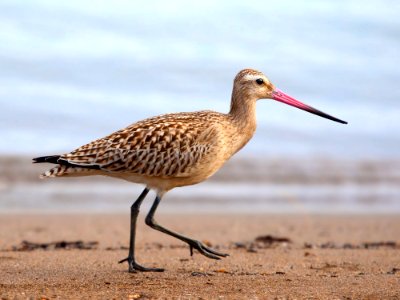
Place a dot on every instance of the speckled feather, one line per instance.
(166, 146)
(168, 150)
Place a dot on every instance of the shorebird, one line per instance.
(174, 150)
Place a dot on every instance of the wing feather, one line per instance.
(165, 146)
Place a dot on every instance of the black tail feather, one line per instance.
(53, 159)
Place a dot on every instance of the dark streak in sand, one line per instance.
(30, 246)
(366, 245)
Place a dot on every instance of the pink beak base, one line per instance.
(284, 98)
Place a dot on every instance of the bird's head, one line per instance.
(255, 85)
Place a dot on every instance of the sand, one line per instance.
(325, 257)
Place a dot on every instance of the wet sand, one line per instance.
(304, 257)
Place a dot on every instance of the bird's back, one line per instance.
(182, 146)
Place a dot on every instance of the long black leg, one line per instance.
(193, 244)
(133, 265)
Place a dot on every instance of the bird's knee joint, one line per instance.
(135, 208)
(149, 221)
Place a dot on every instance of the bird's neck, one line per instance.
(243, 108)
(243, 116)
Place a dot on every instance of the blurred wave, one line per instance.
(242, 186)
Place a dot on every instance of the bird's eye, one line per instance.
(259, 81)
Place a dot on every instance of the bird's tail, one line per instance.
(63, 168)
(53, 159)
(66, 171)
(54, 172)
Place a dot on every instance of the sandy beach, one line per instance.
(271, 257)
(63, 238)
(308, 209)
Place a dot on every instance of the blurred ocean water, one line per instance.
(208, 197)
(243, 185)
(72, 71)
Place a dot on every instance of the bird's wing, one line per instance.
(165, 146)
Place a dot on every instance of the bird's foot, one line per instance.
(203, 249)
(134, 267)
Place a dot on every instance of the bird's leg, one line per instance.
(193, 244)
(133, 265)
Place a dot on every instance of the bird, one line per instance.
(174, 150)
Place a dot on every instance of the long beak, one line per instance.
(282, 97)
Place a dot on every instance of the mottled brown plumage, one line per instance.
(171, 150)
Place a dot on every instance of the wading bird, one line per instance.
(174, 150)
